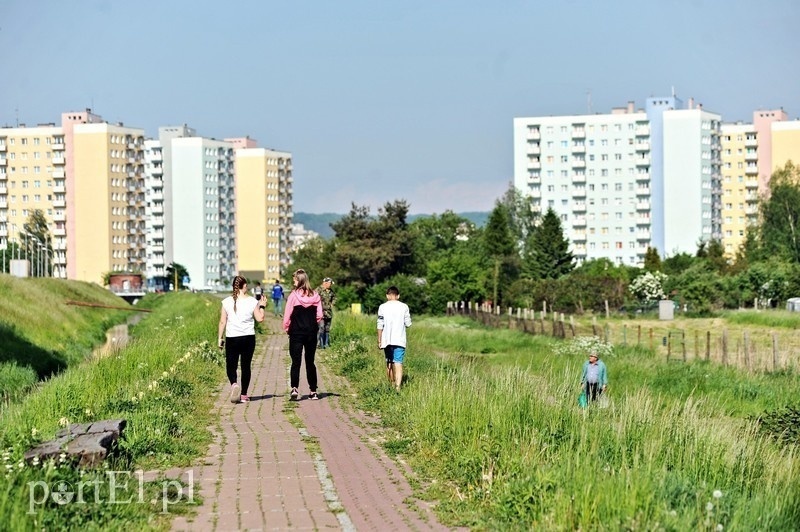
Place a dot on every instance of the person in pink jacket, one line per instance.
(301, 322)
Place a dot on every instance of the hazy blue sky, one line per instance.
(382, 100)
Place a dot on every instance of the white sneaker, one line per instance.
(236, 393)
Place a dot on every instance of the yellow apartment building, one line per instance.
(32, 178)
(739, 171)
(263, 212)
(785, 143)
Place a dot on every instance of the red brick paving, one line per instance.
(259, 474)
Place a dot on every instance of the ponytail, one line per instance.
(238, 282)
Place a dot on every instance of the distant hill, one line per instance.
(321, 223)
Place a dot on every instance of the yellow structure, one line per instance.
(106, 228)
(739, 176)
(263, 211)
(785, 143)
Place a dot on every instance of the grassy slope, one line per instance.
(41, 335)
(163, 383)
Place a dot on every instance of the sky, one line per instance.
(381, 101)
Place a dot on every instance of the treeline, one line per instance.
(521, 259)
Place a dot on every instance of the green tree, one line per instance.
(780, 215)
(368, 250)
(713, 253)
(677, 263)
(176, 272)
(547, 253)
(38, 243)
(652, 261)
(317, 258)
(521, 217)
(434, 236)
(500, 245)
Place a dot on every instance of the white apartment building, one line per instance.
(626, 180)
(593, 171)
(155, 234)
(203, 222)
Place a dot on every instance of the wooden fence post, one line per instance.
(624, 334)
(572, 324)
(696, 344)
(594, 326)
(747, 350)
(683, 343)
(638, 335)
(724, 347)
(708, 346)
(606, 301)
(775, 361)
(651, 338)
(669, 344)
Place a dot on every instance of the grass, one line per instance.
(489, 419)
(163, 383)
(40, 335)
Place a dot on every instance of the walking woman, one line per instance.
(301, 321)
(237, 320)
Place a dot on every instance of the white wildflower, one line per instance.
(88, 412)
(63, 422)
(165, 374)
(34, 432)
(709, 506)
(720, 528)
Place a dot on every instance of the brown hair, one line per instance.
(238, 283)
(301, 283)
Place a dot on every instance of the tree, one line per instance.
(780, 215)
(547, 253)
(713, 253)
(368, 250)
(176, 272)
(498, 240)
(38, 243)
(652, 261)
(434, 236)
(521, 217)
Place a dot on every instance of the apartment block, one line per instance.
(740, 183)
(200, 201)
(32, 176)
(264, 205)
(626, 180)
(762, 122)
(785, 143)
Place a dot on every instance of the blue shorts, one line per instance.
(394, 353)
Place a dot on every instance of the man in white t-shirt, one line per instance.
(393, 319)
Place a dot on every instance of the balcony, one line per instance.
(58, 147)
(642, 131)
(59, 246)
(579, 207)
(751, 155)
(2, 161)
(579, 192)
(2, 146)
(58, 159)
(645, 191)
(3, 190)
(59, 203)
(751, 169)
(157, 209)
(578, 148)
(534, 150)
(59, 231)
(578, 178)
(578, 133)
(579, 163)
(59, 217)
(751, 142)
(579, 236)
(751, 184)
(642, 205)
(533, 134)
(579, 221)
(642, 222)
(642, 176)
(642, 146)
(59, 189)
(643, 235)
(534, 165)
(3, 232)
(58, 174)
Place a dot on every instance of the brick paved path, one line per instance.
(260, 474)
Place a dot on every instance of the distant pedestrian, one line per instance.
(258, 292)
(394, 318)
(237, 322)
(277, 297)
(301, 321)
(594, 378)
(328, 298)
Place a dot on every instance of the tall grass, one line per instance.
(162, 383)
(772, 318)
(40, 335)
(502, 443)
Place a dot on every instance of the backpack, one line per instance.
(277, 292)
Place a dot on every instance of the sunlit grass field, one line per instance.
(488, 419)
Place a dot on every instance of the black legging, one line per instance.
(299, 343)
(236, 346)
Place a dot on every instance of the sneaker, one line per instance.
(295, 395)
(236, 393)
(314, 396)
(245, 399)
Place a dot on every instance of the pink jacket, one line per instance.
(297, 299)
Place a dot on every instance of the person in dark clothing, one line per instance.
(301, 322)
